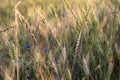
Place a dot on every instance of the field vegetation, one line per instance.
(60, 40)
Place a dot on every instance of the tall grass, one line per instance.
(60, 40)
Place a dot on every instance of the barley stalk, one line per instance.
(77, 45)
(16, 39)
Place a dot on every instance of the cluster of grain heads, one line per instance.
(44, 34)
(18, 17)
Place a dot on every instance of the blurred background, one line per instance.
(60, 40)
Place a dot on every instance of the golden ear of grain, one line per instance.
(85, 66)
(55, 68)
(36, 22)
(77, 45)
(64, 53)
(69, 74)
(110, 69)
(27, 25)
(98, 67)
(78, 42)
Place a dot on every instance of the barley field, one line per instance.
(60, 40)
